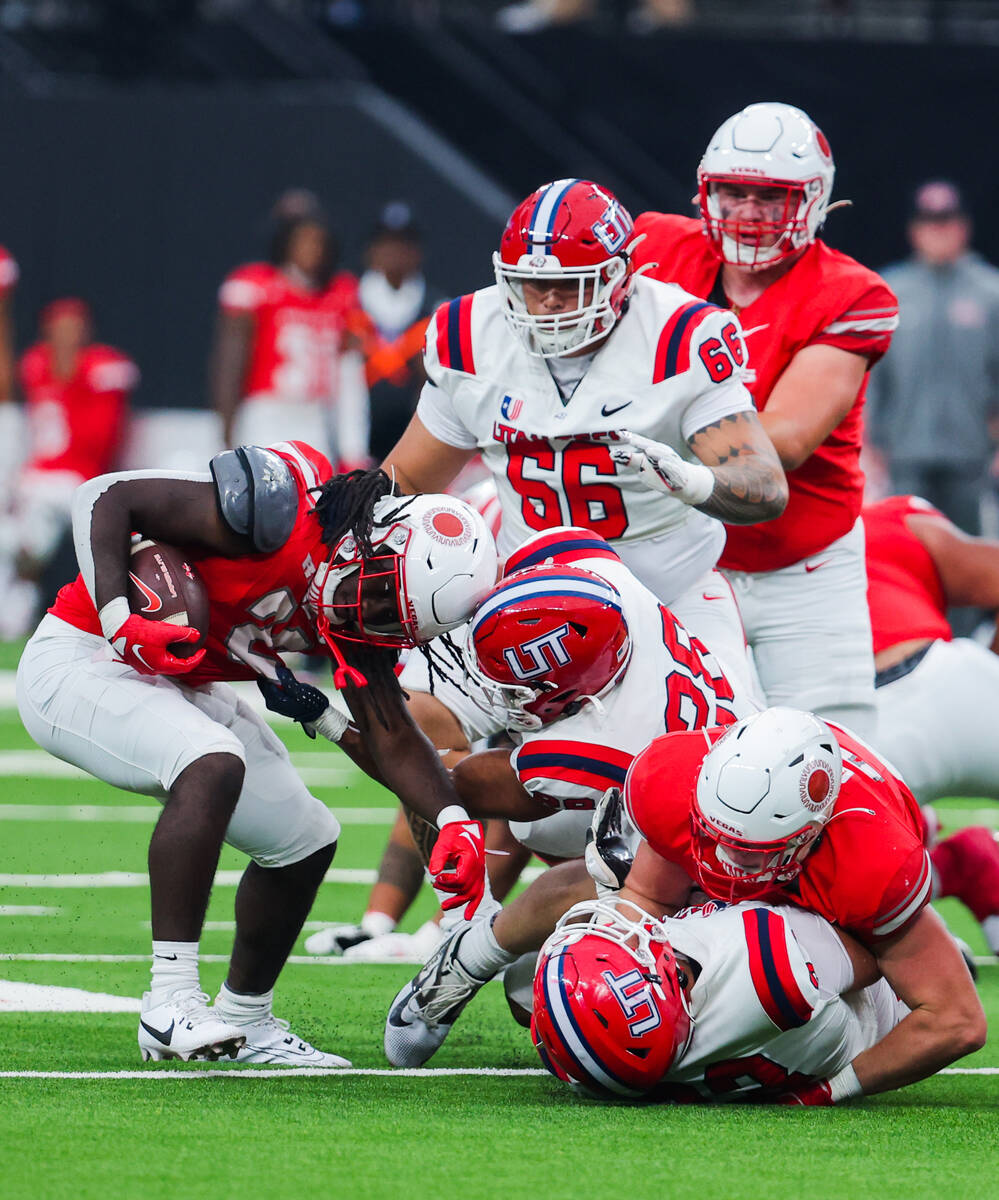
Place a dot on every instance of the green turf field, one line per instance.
(248, 1132)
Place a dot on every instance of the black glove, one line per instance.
(608, 856)
(291, 698)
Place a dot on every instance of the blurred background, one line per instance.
(149, 145)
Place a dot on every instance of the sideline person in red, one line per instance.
(814, 322)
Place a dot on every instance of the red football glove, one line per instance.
(143, 645)
(815, 1094)
(458, 865)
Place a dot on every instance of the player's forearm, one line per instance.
(410, 767)
(524, 924)
(747, 492)
(922, 1043)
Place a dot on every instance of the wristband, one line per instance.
(331, 723)
(700, 483)
(447, 816)
(844, 1085)
(113, 615)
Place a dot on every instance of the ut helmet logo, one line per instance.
(633, 992)
(537, 657)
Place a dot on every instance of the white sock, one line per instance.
(240, 1009)
(481, 954)
(375, 924)
(175, 966)
(990, 927)
(489, 906)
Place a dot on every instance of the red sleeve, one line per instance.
(865, 326)
(245, 289)
(308, 463)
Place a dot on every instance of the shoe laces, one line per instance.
(447, 989)
(193, 1004)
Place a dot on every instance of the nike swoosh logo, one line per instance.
(395, 1012)
(705, 596)
(166, 957)
(137, 651)
(810, 567)
(161, 1035)
(755, 329)
(609, 412)
(153, 602)
(471, 838)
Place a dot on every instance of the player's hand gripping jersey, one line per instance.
(256, 604)
(766, 1008)
(869, 873)
(671, 368)
(826, 298)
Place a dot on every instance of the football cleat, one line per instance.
(184, 1027)
(397, 947)
(424, 1011)
(335, 939)
(270, 1041)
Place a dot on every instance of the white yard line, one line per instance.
(122, 879)
(29, 910)
(147, 813)
(317, 769)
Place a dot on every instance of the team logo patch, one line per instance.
(815, 785)
(447, 526)
(539, 261)
(633, 991)
(510, 408)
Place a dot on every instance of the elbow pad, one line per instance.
(257, 495)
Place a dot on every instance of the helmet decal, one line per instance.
(537, 661)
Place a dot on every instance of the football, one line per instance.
(165, 586)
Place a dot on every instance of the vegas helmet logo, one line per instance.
(633, 992)
(537, 656)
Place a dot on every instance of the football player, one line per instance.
(937, 694)
(583, 666)
(293, 559)
(741, 1002)
(568, 344)
(814, 322)
(287, 362)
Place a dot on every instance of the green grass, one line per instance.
(393, 1136)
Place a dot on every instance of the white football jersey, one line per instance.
(672, 682)
(670, 367)
(766, 1007)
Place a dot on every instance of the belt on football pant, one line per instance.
(901, 669)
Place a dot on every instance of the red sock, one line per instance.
(967, 866)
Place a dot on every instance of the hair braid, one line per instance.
(346, 504)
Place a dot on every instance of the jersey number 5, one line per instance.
(552, 489)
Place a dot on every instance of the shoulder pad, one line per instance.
(257, 495)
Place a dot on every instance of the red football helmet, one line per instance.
(567, 230)
(610, 1012)
(544, 640)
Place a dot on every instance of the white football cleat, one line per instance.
(269, 1041)
(184, 1027)
(335, 939)
(424, 1011)
(397, 947)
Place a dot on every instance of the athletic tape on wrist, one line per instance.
(331, 723)
(113, 615)
(844, 1085)
(453, 812)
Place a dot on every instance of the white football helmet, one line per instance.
(767, 786)
(435, 559)
(773, 146)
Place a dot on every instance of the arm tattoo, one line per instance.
(750, 485)
(424, 834)
(401, 867)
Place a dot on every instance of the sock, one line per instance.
(240, 1009)
(375, 924)
(489, 906)
(990, 927)
(481, 954)
(175, 966)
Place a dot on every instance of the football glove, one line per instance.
(458, 862)
(816, 1094)
(302, 702)
(608, 856)
(662, 469)
(143, 644)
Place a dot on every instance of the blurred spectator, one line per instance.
(394, 297)
(285, 364)
(931, 399)
(11, 436)
(644, 16)
(76, 405)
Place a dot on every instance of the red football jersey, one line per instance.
(904, 591)
(869, 873)
(255, 602)
(299, 332)
(9, 272)
(76, 424)
(826, 298)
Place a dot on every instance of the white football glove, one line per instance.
(662, 469)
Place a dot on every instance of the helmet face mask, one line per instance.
(433, 560)
(545, 640)
(571, 235)
(763, 795)
(610, 1009)
(771, 148)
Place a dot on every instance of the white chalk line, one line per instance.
(122, 879)
(369, 1072)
